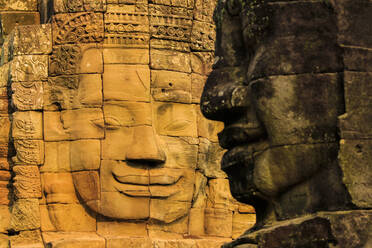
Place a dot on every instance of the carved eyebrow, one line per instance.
(109, 122)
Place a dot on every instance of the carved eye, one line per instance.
(177, 125)
(110, 123)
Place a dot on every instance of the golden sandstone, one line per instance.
(102, 142)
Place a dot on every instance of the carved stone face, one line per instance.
(148, 150)
(279, 106)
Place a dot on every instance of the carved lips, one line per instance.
(159, 186)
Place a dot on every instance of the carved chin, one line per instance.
(116, 205)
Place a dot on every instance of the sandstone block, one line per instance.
(4, 105)
(85, 155)
(118, 242)
(27, 95)
(171, 86)
(27, 182)
(4, 74)
(27, 125)
(29, 152)
(170, 60)
(4, 219)
(203, 36)
(9, 20)
(175, 119)
(72, 92)
(126, 83)
(201, 62)
(180, 152)
(73, 240)
(87, 184)
(25, 215)
(126, 114)
(30, 239)
(196, 222)
(117, 142)
(4, 129)
(77, 58)
(219, 196)
(203, 10)
(71, 218)
(172, 184)
(241, 223)
(61, 6)
(58, 188)
(174, 243)
(218, 222)
(355, 157)
(126, 56)
(174, 210)
(197, 86)
(73, 124)
(32, 39)
(26, 5)
(200, 195)
(4, 163)
(4, 241)
(57, 158)
(207, 128)
(28, 68)
(115, 229)
(209, 159)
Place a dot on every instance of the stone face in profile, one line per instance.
(279, 86)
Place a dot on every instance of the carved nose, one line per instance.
(144, 147)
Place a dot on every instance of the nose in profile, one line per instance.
(144, 147)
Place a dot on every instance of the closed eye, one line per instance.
(110, 123)
(177, 125)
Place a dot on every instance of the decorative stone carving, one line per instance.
(29, 152)
(26, 182)
(28, 95)
(29, 68)
(32, 39)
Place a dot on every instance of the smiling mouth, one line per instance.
(156, 186)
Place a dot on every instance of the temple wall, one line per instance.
(58, 79)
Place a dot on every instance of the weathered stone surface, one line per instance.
(355, 157)
(10, 19)
(86, 27)
(73, 124)
(117, 242)
(170, 60)
(28, 95)
(27, 125)
(126, 83)
(209, 159)
(5, 195)
(29, 152)
(116, 229)
(4, 218)
(28, 5)
(355, 123)
(218, 222)
(27, 182)
(32, 39)
(170, 86)
(4, 129)
(71, 218)
(61, 6)
(4, 74)
(175, 119)
(241, 223)
(25, 215)
(72, 92)
(72, 59)
(30, 239)
(73, 240)
(58, 188)
(126, 56)
(55, 157)
(28, 68)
